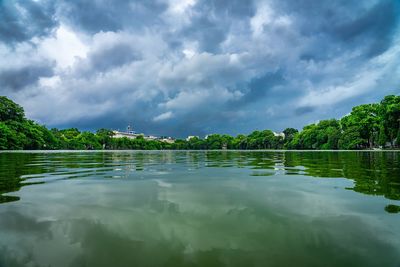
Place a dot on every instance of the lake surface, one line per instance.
(197, 208)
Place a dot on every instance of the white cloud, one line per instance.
(369, 76)
(64, 47)
(180, 6)
(50, 82)
(262, 17)
(164, 116)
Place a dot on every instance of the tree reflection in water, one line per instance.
(374, 173)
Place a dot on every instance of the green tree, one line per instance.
(351, 139)
(105, 137)
(390, 117)
(10, 111)
(366, 126)
(87, 140)
(289, 135)
(382, 136)
(12, 133)
(365, 120)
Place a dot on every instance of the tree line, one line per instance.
(367, 126)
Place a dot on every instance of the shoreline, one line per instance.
(196, 150)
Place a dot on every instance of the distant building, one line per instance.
(131, 134)
(130, 130)
(118, 134)
(151, 137)
(168, 140)
(279, 134)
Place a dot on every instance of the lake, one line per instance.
(200, 208)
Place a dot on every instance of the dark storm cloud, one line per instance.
(231, 9)
(304, 110)
(259, 87)
(212, 21)
(207, 32)
(109, 57)
(375, 27)
(379, 20)
(111, 15)
(22, 20)
(16, 79)
(184, 67)
(350, 24)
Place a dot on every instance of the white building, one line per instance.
(118, 134)
(151, 137)
(130, 134)
(279, 134)
(168, 140)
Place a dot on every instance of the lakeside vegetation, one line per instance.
(367, 126)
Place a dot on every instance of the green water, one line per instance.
(194, 208)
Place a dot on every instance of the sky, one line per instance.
(197, 67)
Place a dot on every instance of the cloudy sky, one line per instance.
(179, 67)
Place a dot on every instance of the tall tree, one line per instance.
(365, 120)
(10, 111)
(390, 117)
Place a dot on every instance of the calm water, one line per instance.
(200, 209)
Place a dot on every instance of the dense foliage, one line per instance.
(367, 126)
